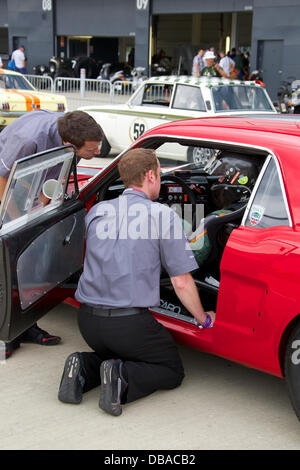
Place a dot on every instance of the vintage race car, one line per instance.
(246, 238)
(163, 99)
(18, 96)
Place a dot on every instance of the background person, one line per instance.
(227, 63)
(19, 59)
(36, 132)
(212, 69)
(120, 281)
(198, 63)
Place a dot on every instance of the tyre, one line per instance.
(292, 368)
(105, 148)
(199, 155)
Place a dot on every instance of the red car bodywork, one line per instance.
(259, 296)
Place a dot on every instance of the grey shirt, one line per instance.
(31, 133)
(198, 60)
(128, 240)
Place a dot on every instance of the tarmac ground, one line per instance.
(219, 405)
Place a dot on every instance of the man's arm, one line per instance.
(221, 71)
(3, 182)
(187, 292)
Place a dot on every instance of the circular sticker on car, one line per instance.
(137, 128)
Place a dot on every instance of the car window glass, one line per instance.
(16, 82)
(2, 82)
(240, 97)
(171, 154)
(136, 100)
(157, 94)
(188, 97)
(268, 208)
(30, 179)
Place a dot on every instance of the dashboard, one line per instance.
(178, 187)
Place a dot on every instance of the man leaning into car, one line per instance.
(36, 132)
(133, 355)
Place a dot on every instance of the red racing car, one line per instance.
(241, 214)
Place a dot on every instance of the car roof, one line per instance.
(271, 125)
(280, 136)
(206, 81)
(9, 72)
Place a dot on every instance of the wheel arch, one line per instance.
(285, 338)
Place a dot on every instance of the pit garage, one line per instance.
(181, 35)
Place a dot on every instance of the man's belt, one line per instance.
(114, 312)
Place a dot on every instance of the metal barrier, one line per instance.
(84, 91)
(121, 89)
(41, 82)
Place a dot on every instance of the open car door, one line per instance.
(41, 245)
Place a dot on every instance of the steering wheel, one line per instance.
(187, 189)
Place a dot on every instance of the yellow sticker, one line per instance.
(243, 180)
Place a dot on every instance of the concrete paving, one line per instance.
(220, 405)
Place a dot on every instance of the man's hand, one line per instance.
(221, 71)
(212, 316)
(187, 292)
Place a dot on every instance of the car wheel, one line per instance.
(199, 155)
(292, 368)
(105, 148)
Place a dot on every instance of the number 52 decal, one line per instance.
(137, 128)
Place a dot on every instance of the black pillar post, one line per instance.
(143, 14)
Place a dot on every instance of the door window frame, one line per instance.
(57, 203)
(257, 184)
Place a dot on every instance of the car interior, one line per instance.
(211, 202)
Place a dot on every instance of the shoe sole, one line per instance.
(69, 390)
(106, 395)
(13, 346)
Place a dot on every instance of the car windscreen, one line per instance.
(14, 82)
(240, 98)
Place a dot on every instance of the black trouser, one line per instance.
(149, 354)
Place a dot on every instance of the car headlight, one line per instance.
(52, 68)
(42, 68)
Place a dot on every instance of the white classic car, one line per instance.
(163, 99)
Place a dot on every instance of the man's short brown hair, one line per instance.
(134, 165)
(78, 127)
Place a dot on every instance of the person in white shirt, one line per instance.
(198, 63)
(1, 63)
(226, 63)
(18, 57)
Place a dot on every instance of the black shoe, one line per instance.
(72, 381)
(36, 335)
(113, 386)
(10, 347)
